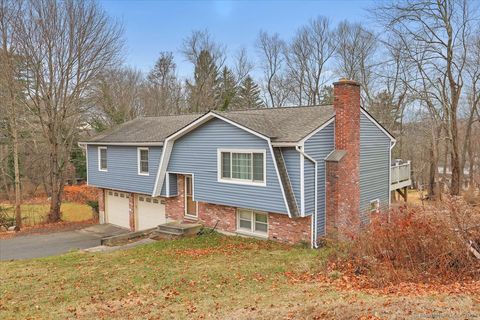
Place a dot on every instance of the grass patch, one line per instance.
(211, 276)
(34, 214)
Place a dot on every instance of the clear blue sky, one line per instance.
(154, 26)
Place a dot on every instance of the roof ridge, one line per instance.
(170, 115)
(276, 108)
(236, 111)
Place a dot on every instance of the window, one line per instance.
(375, 206)
(250, 221)
(143, 161)
(102, 158)
(242, 166)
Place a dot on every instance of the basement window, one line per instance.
(375, 206)
(252, 222)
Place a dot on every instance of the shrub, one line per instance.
(419, 244)
(6, 221)
(80, 193)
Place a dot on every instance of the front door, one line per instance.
(190, 205)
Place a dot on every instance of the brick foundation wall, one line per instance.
(209, 214)
(281, 227)
(101, 205)
(175, 206)
(132, 211)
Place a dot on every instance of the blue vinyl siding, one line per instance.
(292, 163)
(172, 184)
(122, 174)
(309, 186)
(196, 153)
(318, 147)
(374, 167)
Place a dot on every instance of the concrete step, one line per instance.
(180, 228)
(165, 235)
(120, 239)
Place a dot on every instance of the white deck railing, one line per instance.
(400, 175)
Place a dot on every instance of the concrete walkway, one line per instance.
(43, 245)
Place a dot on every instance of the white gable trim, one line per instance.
(169, 142)
(375, 122)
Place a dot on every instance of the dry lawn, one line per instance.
(36, 213)
(208, 277)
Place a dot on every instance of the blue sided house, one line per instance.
(291, 174)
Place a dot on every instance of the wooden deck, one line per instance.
(400, 178)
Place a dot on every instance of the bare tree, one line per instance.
(355, 54)
(67, 45)
(11, 93)
(163, 91)
(116, 97)
(270, 49)
(200, 41)
(435, 35)
(243, 66)
(307, 56)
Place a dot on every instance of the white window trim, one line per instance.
(375, 210)
(138, 161)
(241, 181)
(100, 158)
(251, 232)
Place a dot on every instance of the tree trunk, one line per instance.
(471, 167)
(433, 190)
(56, 184)
(16, 165)
(455, 159)
(432, 176)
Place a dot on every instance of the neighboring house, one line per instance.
(290, 174)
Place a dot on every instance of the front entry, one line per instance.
(191, 207)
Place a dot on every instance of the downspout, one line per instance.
(315, 222)
(392, 144)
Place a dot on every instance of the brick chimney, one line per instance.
(343, 164)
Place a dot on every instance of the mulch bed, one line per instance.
(47, 228)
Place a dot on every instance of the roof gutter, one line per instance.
(285, 144)
(139, 144)
(314, 220)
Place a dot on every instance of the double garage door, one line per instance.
(149, 213)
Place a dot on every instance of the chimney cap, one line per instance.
(345, 81)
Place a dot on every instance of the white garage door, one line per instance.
(116, 208)
(150, 212)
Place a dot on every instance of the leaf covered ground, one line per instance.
(214, 277)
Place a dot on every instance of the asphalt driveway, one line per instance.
(43, 245)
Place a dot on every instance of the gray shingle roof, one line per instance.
(145, 130)
(286, 124)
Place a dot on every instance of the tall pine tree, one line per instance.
(248, 96)
(205, 80)
(227, 89)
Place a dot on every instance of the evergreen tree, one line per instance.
(248, 95)
(205, 80)
(227, 89)
(326, 95)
